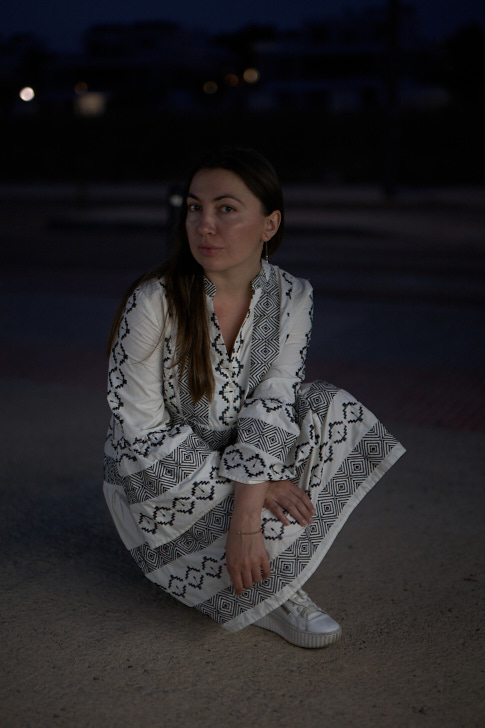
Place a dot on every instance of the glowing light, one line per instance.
(175, 200)
(251, 75)
(81, 88)
(90, 104)
(231, 79)
(210, 87)
(27, 93)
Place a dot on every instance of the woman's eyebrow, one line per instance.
(219, 197)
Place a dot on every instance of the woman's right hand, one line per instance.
(246, 559)
(284, 496)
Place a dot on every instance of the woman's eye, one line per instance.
(227, 208)
(193, 207)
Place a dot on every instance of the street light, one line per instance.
(27, 93)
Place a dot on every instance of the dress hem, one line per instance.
(261, 610)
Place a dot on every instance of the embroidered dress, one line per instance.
(170, 463)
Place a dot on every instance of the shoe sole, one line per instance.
(298, 637)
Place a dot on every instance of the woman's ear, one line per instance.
(272, 223)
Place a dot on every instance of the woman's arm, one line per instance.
(246, 557)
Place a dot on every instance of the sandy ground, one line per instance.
(88, 642)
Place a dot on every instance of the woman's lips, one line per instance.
(208, 250)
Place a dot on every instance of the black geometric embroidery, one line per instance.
(261, 450)
(233, 394)
(170, 379)
(209, 288)
(226, 605)
(158, 518)
(270, 405)
(192, 411)
(167, 472)
(253, 466)
(111, 473)
(199, 537)
(216, 439)
(337, 432)
(319, 399)
(265, 331)
(267, 438)
(194, 578)
(272, 528)
(353, 412)
(289, 281)
(304, 350)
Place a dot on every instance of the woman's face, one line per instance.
(226, 225)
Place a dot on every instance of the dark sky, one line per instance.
(61, 22)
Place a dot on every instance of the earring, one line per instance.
(266, 251)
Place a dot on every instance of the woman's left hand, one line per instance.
(286, 496)
(247, 560)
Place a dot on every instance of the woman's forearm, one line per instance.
(248, 504)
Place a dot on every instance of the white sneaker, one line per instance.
(301, 622)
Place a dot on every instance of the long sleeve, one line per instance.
(150, 450)
(267, 427)
(144, 430)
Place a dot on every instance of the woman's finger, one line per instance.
(261, 571)
(278, 512)
(297, 509)
(302, 516)
(266, 570)
(256, 574)
(303, 499)
(236, 582)
(247, 579)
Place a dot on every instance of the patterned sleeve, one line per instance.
(167, 473)
(144, 435)
(268, 426)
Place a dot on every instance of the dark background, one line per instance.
(375, 122)
(387, 93)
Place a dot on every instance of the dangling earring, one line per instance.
(266, 251)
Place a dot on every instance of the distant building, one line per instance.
(341, 65)
(335, 66)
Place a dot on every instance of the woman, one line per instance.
(227, 477)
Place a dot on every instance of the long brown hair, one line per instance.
(184, 277)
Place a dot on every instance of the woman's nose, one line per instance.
(206, 222)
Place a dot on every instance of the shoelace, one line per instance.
(304, 605)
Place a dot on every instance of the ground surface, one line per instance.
(400, 322)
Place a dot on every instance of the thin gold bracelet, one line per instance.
(245, 533)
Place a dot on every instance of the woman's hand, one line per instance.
(286, 496)
(246, 559)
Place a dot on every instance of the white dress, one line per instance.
(170, 464)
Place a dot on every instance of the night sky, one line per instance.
(61, 23)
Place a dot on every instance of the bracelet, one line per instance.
(246, 533)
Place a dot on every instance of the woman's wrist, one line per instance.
(248, 505)
(235, 532)
(243, 521)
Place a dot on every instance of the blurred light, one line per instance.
(175, 200)
(210, 87)
(231, 79)
(251, 75)
(90, 104)
(27, 93)
(81, 88)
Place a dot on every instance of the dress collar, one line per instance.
(209, 288)
(260, 281)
